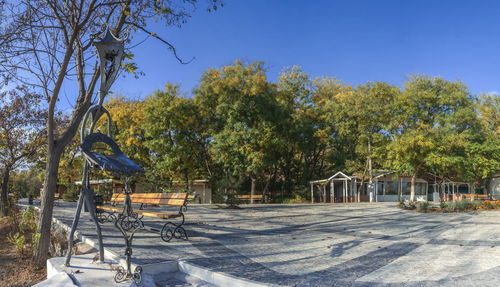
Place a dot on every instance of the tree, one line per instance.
(304, 134)
(241, 110)
(177, 137)
(129, 122)
(361, 116)
(482, 152)
(433, 120)
(21, 123)
(48, 45)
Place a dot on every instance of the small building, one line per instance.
(386, 185)
(200, 186)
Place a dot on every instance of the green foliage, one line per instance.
(460, 205)
(24, 225)
(71, 193)
(442, 205)
(28, 220)
(18, 240)
(35, 239)
(240, 128)
(423, 206)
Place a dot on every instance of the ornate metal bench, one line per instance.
(169, 229)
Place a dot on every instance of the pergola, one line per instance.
(348, 190)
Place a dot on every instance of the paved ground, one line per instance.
(327, 245)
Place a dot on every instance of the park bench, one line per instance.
(169, 229)
(249, 197)
(476, 196)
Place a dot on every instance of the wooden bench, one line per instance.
(476, 196)
(170, 229)
(249, 197)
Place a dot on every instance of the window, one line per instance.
(392, 188)
(380, 188)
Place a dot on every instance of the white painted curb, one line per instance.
(218, 278)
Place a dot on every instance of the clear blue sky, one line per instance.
(355, 41)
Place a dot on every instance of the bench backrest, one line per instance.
(249, 196)
(173, 199)
(117, 197)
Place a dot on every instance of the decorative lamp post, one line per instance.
(110, 51)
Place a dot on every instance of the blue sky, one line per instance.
(353, 40)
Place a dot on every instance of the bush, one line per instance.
(23, 230)
(423, 206)
(461, 205)
(28, 221)
(18, 240)
(490, 204)
(442, 205)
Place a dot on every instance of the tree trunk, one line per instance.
(46, 207)
(413, 185)
(4, 192)
(252, 189)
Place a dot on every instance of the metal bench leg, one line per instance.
(171, 230)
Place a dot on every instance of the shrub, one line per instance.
(409, 205)
(490, 204)
(28, 221)
(18, 240)
(442, 205)
(423, 206)
(487, 205)
(460, 205)
(401, 203)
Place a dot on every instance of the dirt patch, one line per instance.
(16, 270)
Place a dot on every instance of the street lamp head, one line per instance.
(110, 51)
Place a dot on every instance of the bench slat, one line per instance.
(164, 215)
(111, 208)
(248, 196)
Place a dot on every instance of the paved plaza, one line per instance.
(359, 244)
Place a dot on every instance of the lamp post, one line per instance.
(110, 51)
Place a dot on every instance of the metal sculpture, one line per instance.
(94, 146)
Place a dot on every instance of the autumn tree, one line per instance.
(434, 120)
(239, 104)
(48, 45)
(482, 153)
(21, 122)
(177, 137)
(304, 134)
